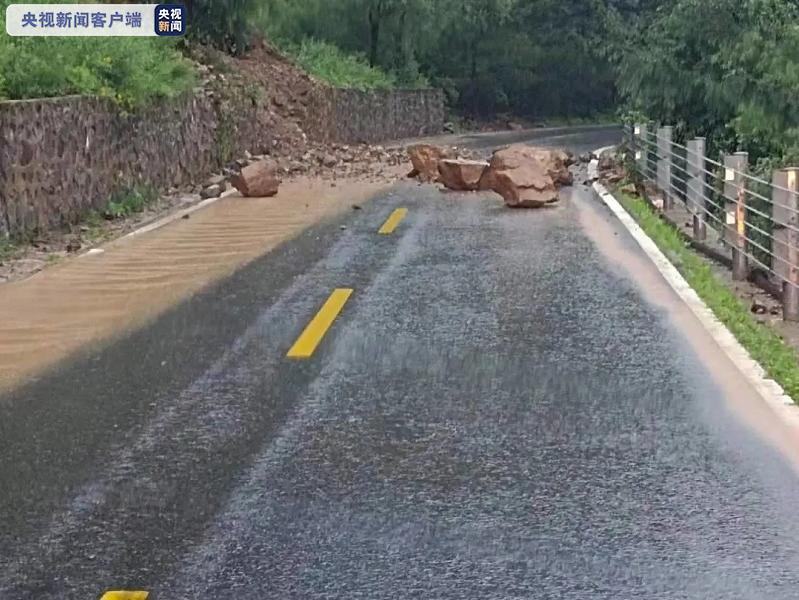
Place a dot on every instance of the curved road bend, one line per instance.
(510, 405)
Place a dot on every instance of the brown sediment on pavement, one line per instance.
(743, 400)
(93, 297)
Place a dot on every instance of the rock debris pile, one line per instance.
(525, 176)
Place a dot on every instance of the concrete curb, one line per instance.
(769, 390)
(177, 215)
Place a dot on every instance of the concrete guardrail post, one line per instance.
(696, 186)
(640, 139)
(785, 215)
(735, 165)
(664, 136)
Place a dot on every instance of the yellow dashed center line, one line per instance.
(391, 223)
(306, 344)
(125, 595)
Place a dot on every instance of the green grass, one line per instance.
(765, 345)
(132, 71)
(96, 230)
(129, 201)
(9, 249)
(329, 63)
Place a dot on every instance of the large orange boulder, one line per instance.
(425, 159)
(555, 162)
(526, 186)
(258, 179)
(526, 176)
(461, 174)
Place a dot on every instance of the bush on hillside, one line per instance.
(329, 63)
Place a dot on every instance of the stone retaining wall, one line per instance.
(61, 157)
(352, 116)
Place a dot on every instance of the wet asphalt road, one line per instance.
(497, 413)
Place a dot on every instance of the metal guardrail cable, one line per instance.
(687, 150)
(749, 209)
(676, 144)
(645, 140)
(769, 184)
(754, 194)
(718, 176)
(705, 186)
(754, 243)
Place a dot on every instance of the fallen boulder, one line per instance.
(425, 159)
(556, 162)
(526, 186)
(258, 179)
(461, 174)
(526, 176)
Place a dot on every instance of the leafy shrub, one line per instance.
(129, 201)
(329, 63)
(129, 70)
(225, 24)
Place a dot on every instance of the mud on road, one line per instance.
(89, 298)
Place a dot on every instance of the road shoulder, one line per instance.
(95, 297)
(769, 390)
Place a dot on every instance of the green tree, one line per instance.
(725, 69)
(227, 24)
(533, 57)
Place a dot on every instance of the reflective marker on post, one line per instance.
(735, 165)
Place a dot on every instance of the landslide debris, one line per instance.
(525, 176)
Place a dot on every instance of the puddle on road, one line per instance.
(611, 239)
(90, 298)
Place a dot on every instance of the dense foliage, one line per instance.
(227, 24)
(130, 70)
(531, 57)
(329, 63)
(725, 69)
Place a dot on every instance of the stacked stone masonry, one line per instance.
(352, 116)
(62, 157)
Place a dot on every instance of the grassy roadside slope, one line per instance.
(765, 345)
(328, 63)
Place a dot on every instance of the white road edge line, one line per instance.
(599, 152)
(177, 215)
(770, 391)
